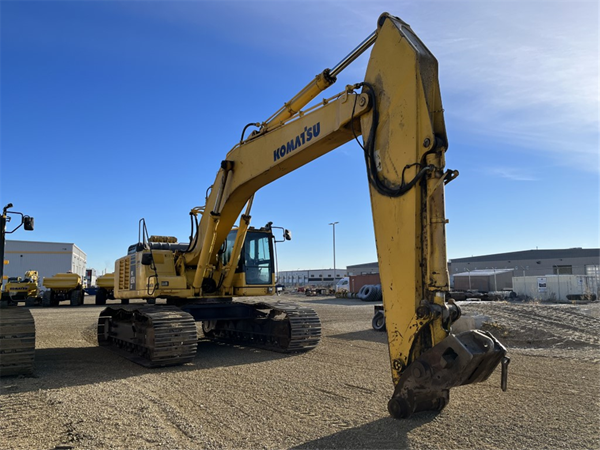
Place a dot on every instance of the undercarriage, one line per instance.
(166, 335)
(17, 341)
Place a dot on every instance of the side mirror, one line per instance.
(147, 259)
(28, 223)
(287, 234)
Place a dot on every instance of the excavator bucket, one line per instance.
(469, 357)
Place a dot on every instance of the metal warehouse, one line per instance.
(48, 258)
(484, 280)
(569, 261)
(363, 269)
(488, 272)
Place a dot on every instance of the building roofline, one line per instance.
(312, 270)
(48, 242)
(483, 273)
(364, 264)
(40, 242)
(576, 252)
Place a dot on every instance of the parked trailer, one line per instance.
(106, 288)
(63, 286)
(314, 291)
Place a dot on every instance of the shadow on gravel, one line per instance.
(76, 366)
(385, 433)
(336, 301)
(363, 335)
(88, 302)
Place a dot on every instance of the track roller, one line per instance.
(277, 327)
(149, 335)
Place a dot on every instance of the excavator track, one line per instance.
(17, 341)
(277, 327)
(152, 336)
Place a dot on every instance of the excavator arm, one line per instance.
(265, 158)
(398, 111)
(405, 158)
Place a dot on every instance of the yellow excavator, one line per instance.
(398, 111)
(25, 289)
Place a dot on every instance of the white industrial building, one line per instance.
(557, 287)
(315, 277)
(47, 258)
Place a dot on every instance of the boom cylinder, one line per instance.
(319, 84)
(359, 50)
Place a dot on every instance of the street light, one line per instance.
(333, 224)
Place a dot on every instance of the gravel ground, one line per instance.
(335, 396)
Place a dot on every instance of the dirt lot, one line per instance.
(335, 396)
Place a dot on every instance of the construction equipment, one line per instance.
(23, 289)
(17, 327)
(106, 288)
(400, 115)
(63, 286)
(165, 335)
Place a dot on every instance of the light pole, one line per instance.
(333, 224)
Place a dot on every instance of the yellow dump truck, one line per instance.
(23, 289)
(106, 288)
(63, 286)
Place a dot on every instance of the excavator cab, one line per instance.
(256, 265)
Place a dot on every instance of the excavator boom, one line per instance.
(398, 111)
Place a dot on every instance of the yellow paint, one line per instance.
(106, 281)
(411, 253)
(62, 281)
(409, 229)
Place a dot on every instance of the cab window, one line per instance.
(257, 258)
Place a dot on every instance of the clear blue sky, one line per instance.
(113, 111)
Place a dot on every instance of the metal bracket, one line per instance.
(469, 357)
